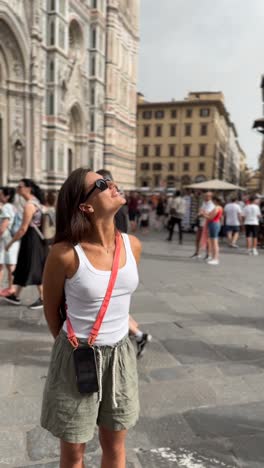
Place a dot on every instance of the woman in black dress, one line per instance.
(33, 251)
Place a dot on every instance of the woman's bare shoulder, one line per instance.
(63, 251)
(136, 246)
(63, 257)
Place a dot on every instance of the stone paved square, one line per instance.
(201, 379)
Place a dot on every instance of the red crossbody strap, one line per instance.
(100, 317)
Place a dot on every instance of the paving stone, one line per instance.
(188, 351)
(241, 353)
(237, 335)
(232, 390)
(249, 450)
(177, 303)
(54, 464)
(184, 372)
(175, 397)
(164, 331)
(156, 356)
(164, 431)
(236, 369)
(6, 381)
(227, 421)
(41, 444)
(19, 410)
(12, 446)
(152, 304)
(29, 380)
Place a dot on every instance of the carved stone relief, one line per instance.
(18, 151)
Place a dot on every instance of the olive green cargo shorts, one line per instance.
(72, 416)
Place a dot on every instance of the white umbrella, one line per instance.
(215, 184)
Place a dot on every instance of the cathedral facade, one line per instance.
(67, 89)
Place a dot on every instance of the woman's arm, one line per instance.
(29, 211)
(58, 267)
(212, 214)
(136, 247)
(4, 225)
(60, 264)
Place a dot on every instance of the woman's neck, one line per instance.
(29, 196)
(103, 233)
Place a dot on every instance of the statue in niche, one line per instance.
(18, 156)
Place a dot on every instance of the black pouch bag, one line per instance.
(85, 369)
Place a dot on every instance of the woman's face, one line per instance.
(2, 197)
(107, 201)
(22, 190)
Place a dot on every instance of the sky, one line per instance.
(206, 45)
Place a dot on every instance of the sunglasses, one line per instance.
(100, 184)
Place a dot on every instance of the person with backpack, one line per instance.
(9, 223)
(176, 213)
(33, 248)
(92, 378)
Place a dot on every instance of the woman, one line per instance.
(33, 251)
(79, 265)
(7, 221)
(214, 226)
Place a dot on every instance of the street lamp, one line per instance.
(259, 125)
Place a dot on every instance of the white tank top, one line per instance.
(86, 290)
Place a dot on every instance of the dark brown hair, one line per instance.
(217, 200)
(35, 189)
(71, 223)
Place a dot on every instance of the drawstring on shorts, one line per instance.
(115, 405)
(100, 375)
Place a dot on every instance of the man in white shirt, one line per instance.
(177, 209)
(207, 207)
(233, 219)
(252, 215)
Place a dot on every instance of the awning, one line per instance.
(215, 184)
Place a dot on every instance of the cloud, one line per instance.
(206, 45)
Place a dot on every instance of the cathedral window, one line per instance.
(93, 66)
(51, 37)
(92, 96)
(94, 4)
(50, 103)
(92, 122)
(51, 71)
(52, 5)
(93, 38)
(50, 158)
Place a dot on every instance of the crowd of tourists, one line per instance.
(209, 215)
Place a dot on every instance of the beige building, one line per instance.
(253, 182)
(67, 88)
(180, 142)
